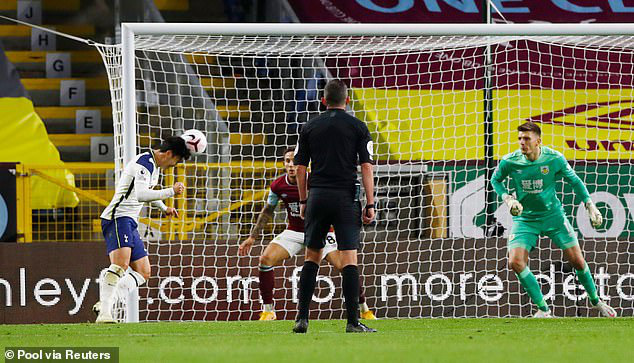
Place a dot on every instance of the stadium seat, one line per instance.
(48, 6)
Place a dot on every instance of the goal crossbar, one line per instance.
(368, 29)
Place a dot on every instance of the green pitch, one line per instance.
(458, 340)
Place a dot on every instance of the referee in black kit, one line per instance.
(335, 142)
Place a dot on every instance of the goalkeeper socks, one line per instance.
(267, 283)
(531, 286)
(585, 278)
(350, 277)
(130, 281)
(307, 281)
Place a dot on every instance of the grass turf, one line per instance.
(460, 340)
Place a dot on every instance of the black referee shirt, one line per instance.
(336, 143)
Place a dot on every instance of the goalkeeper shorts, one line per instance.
(526, 231)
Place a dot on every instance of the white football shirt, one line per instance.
(135, 187)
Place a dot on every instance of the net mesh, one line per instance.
(423, 99)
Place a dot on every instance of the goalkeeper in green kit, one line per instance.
(534, 170)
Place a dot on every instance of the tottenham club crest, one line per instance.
(545, 170)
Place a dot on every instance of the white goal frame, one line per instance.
(130, 30)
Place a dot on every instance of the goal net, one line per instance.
(442, 109)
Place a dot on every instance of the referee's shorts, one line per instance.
(337, 207)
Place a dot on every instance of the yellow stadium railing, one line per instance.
(94, 186)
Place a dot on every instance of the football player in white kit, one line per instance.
(120, 218)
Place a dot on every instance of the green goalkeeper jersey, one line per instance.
(534, 181)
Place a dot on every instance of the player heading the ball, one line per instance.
(119, 220)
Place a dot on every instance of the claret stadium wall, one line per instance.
(399, 283)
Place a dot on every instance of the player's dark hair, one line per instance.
(530, 126)
(176, 145)
(288, 150)
(335, 92)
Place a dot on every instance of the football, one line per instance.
(195, 140)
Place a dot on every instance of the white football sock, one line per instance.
(107, 287)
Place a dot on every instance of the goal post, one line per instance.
(433, 251)
(128, 79)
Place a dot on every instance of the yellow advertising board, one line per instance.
(583, 124)
(422, 124)
(448, 125)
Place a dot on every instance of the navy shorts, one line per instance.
(122, 232)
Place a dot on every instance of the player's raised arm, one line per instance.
(166, 156)
(169, 153)
(581, 190)
(145, 194)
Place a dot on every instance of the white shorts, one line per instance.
(293, 242)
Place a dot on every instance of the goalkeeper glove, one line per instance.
(514, 205)
(595, 216)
